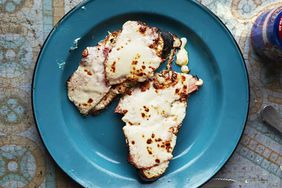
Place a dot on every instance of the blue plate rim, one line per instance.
(78, 6)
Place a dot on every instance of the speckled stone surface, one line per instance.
(24, 24)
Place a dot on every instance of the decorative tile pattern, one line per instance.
(21, 163)
(257, 161)
(260, 147)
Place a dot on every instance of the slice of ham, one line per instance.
(153, 115)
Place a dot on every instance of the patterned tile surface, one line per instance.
(24, 24)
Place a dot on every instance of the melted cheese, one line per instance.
(152, 119)
(185, 69)
(87, 85)
(131, 57)
(182, 54)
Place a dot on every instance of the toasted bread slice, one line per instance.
(153, 114)
(154, 172)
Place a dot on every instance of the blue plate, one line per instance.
(92, 150)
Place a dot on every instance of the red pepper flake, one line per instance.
(183, 78)
(176, 91)
(157, 160)
(143, 67)
(85, 53)
(153, 135)
(149, 141)
(90, 100)
(143, 115)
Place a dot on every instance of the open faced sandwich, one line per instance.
(153, 104)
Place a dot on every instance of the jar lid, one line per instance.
(278, 29)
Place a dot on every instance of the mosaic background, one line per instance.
(24, 24)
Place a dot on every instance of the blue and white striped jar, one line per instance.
(266, 35)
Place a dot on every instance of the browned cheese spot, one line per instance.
(173, 130)
(90, 100)
(142, 29)
(132, 142)
(137, 56)
(149, 149)
(88, 72)
(153, 69)
(158, 140)
(167, 146)
(146, 109)
(145, 86)
(113, 67)
(176, 90)
(134, 62)
(140, 74)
